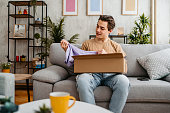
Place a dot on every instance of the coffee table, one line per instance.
(79, 107)
(24, 77)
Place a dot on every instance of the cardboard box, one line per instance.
(102, 63)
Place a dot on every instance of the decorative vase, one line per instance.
(23, 59)
(6, 70)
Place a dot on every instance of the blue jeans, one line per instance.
(87, 83)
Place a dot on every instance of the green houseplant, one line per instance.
(37, 36)
(56, 31)
(140, 33)
(6, 67)
(43, 109)
(6, 106)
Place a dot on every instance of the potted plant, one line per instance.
(56, 30)
(37, 36)
(6, 67)
(140, 33)
(43, 109)
(23, 58)
(6, 106)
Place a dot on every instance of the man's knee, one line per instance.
(84, 79)
(122, 82)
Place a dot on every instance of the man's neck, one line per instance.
(102, 40)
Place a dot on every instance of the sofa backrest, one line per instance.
(133, 51)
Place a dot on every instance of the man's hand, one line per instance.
(102, 52)
(64, 44)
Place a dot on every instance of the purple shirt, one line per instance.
(74, 51)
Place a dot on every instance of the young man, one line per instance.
(87, 83)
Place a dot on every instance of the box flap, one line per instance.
(99, 56)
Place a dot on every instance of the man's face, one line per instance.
(102, 30)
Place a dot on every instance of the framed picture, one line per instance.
(70, 7)
(129, 7)
(94, 7)
(19, 31)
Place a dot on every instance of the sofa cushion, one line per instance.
(133, 51)
(52, 74)
(157, 64)
(151, 91)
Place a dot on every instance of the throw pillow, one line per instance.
(156, 64)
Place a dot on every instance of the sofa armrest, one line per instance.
(51, 74)
(7, 85)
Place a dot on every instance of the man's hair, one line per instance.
(109, 19)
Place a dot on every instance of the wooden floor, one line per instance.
(21, 96)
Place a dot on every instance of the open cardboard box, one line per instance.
(101, 63)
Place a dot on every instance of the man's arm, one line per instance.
(120, 50)
(64, 44)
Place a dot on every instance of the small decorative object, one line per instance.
(141, 33)
(6, 106)
(129, 7)
(120, 30)
(38, 21)
(37, 36)
(19, 11)
(20, 58)
(19, 31)
(6, 67)
(37, 63)
(25, 11)
(43, 109)
(70, 7)
(17, 58)
(23, 58)
(94, 7)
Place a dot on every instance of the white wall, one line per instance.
(85, 25)
(163, 21)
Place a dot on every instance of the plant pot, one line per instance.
(37, 43)
(6, 70)
(23, 59)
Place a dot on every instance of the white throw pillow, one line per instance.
(156, 64)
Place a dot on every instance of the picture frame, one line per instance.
(19, 31)
(94, 7)
(129, 7)
(70, 7)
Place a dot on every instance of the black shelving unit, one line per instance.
(30, 18)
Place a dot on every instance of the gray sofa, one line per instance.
(151, 96)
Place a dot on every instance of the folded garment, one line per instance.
(74, 51)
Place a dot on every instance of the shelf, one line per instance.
(21, 16)
(36, 68)
(36, 46)
(21, 38)
(28, 40)
(38, 25)
(27, 3)
(118, 36)
(20, 61)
